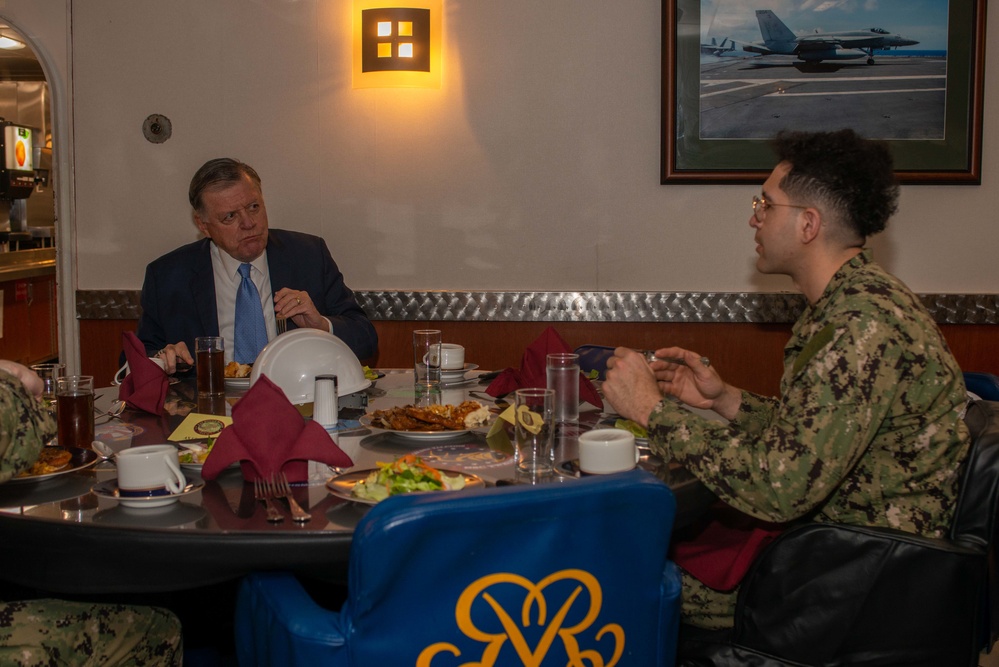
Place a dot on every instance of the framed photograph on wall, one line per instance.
(910, 72)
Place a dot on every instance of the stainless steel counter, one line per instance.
(21, 264)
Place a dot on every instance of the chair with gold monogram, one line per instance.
(556, 574)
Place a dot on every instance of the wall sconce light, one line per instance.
(397, 47)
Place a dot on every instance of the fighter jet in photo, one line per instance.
(816, 47)
(727, 46)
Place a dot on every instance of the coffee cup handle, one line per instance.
(176, 481)
(120, 375)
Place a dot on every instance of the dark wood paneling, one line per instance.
(100, 345)
(747, 355)
(29, 332)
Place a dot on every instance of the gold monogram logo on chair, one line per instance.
(535, 610)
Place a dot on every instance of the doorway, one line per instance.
(29, 331)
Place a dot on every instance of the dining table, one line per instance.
(65, 534)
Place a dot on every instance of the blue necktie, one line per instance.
(250, 332)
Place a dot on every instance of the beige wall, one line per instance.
(535, 166)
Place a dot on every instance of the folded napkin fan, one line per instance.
(533, 371)
(268, 435)
(720, 552)
(145, 386)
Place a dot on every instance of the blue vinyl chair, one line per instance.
(557, 574)
(983, 385)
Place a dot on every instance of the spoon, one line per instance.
(103, 450)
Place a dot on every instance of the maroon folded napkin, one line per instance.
(533, 370)
(720, 553)
(269, 435)
(145, 386)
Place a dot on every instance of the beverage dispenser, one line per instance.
(17, 177)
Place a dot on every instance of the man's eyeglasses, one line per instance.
(761, 205)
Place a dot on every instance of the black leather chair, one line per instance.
(830, 594)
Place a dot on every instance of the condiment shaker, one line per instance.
(325, 408)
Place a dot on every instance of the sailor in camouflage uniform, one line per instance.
(867, 429)
(56, 632)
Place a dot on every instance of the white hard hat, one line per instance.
(294, 359)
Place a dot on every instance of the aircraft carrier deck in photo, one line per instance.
(896, 98)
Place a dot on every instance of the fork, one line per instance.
(281, 488)
(261, 492)
(117, 408)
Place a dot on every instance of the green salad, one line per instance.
(405, 475)
(633, 427)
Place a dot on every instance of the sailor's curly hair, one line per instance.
(851, 175)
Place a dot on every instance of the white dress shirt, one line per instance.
(227, 281)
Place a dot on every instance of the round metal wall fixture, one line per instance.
(157, 128)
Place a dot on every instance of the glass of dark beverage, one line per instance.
(210, 357)
(75, 410)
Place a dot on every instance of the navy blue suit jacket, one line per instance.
(178, 294)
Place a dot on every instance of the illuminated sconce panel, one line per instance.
(397, 46)
(395, 39)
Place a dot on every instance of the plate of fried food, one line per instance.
(54, 461)
(237, 376)
(432, 422)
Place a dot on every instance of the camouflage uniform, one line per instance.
(867, 430)
(25, 427)
(79, 634)
(56, 632)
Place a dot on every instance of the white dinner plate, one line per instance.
(237, 383)
(342, 485)
(81, 459)
(109, 489)
(416, 435)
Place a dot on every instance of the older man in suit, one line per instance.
(195, 290)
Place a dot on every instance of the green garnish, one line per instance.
(632, 427)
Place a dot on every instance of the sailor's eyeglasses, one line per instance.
(761, 205)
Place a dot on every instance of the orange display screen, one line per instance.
(17, 148)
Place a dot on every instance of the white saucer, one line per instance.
(109, 489)
(457, 373)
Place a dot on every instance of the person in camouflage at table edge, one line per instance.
(868, 429)
(56, 632)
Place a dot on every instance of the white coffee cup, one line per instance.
(607, 450)
(123, 371)
(149, 471)
(452, 357)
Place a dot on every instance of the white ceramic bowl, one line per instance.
(294, 359)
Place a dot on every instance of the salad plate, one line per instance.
(192, 458)
(342, 485)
